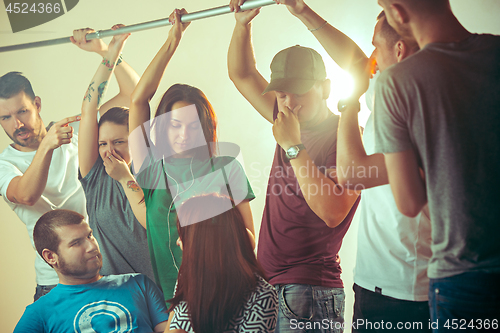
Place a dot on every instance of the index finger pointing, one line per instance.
(68, 120)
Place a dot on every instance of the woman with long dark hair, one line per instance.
(175, 157)
(221, 286)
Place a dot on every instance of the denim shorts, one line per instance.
(307, 308)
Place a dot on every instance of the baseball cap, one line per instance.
(295, 70)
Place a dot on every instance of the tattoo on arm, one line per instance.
(100, 91)
(88, 93)
(132, 184)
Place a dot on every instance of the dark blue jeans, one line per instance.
(42, 290)
(307, 308)
(374, 312)
(468, 302)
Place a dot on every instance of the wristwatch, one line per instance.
(348, 102)
(293, 151)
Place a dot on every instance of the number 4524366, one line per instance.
(40, 8)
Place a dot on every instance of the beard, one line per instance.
(33, 141)
(79, 270)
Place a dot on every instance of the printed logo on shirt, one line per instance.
(103, 316)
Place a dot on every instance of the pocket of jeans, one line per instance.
(297, 302)
(334, 307)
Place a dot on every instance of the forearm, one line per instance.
(148, 84)
(326, 199)
(88, 143)
(98, 85)
(135, 198)
(407, 185)
(127, 79)
(150, 80)
(28, 188)
(356, 169)
(341, 48)
(240, 57)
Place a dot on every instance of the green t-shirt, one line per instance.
(172, 179)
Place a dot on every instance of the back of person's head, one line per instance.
(186, 93)
(117, 115)
(392, 37)
(295, 70)
(45, 234)
(219, 267)
(13, 83)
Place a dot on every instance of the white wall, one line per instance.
(60, 75)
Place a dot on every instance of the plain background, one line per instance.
(60, 75)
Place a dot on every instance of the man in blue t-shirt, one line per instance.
(84, 300)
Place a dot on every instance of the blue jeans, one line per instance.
(306, 308)
(42, 290)
(468, 302)
(374, 312)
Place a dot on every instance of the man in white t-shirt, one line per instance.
(390, 276)
(39, 170)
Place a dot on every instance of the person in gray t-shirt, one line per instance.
(439, 109)
(113, 196)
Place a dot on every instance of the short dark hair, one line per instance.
(45, 235)
(117, 115)
(390, 35)
(13, 83)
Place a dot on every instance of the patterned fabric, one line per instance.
(258, 315)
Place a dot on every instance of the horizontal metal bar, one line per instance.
(250, 4)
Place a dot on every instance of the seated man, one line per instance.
(85, 301)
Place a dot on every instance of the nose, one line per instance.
(290, 101)
(108, 150)
(183, 133)
(92, 245)
(18, 123)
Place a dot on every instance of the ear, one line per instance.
(50, 257)
(400, 13)
(326, 87)
(38, 103)
(402, 50)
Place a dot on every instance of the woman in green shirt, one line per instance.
(174, 158)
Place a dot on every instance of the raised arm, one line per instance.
(351, 154)
(88, 143)
(341, 48)
(148, 84)
(242, 68)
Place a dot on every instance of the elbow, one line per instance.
(137, 97)
(348, 182)
(343, 179)
(28, 201)
(332, 222)
(410, 208)
(332, 219)
(233, 76)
